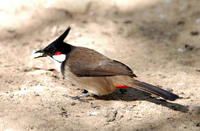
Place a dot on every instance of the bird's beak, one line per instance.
(39, 53)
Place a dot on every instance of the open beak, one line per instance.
(38, 54)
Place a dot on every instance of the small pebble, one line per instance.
(36, 94)
(162, 16)
(198, 20)
(93, 113)
(198, 70)
(189, 47)
(180, 50)
(194, 33)
(94, 106)
(170, 89)
(127, 22)
(198, 124)
(63, 112)
(73, 103)
(84, 21)
(11, 30)
(111, 116)
(182, 93)
(31, 127)
(181, 22)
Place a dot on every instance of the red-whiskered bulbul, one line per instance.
(93, 71)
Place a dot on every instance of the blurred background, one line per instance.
(158, 39)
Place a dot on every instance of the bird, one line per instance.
(93, 71)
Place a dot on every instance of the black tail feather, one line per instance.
(155, 90)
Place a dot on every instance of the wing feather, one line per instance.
(84, 62)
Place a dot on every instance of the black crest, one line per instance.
(58, 45)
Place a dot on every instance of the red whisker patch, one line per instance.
(122, 86)
(58, 53)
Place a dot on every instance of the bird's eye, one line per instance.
(58, 53)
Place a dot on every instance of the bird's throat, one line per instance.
(58, 61)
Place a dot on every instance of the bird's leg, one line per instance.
(79, 97)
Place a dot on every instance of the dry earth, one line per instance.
(158, 39)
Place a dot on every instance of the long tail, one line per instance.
(154, 90)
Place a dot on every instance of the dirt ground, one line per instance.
(158, 39)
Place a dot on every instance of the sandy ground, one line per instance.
(158, 39)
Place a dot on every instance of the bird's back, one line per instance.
(85, 62)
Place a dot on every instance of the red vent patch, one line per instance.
(122, 86)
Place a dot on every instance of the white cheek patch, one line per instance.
(59, 58)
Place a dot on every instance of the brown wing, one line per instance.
(84, 62)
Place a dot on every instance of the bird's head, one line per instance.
(57, 50)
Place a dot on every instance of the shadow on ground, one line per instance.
(137, 95)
